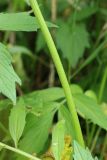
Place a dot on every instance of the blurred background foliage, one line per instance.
(82, 27)
(81, 40)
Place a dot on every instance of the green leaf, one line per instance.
(45, 95)
(86, 12)
(37, 98)
(69, 47)
(4, 104)
(7, 75)
(40, 44)
(58, 139)
(41, 108)
(89, 109)
(65, 114)
(76, 89)
(91, 94)
(36, 133)
(104, 108)
(92, 56)
(16, 52)
(81, 153)
(17, 121)
(27, 1)
(19, 50)
(86, 106)
(19, 22)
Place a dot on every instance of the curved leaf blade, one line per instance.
(21, 21)
(8, 77)
(58, 139)
(17, 121)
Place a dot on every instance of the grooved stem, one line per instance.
(60, 70)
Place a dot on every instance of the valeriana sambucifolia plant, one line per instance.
(31, 117)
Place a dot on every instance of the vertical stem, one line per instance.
(54, 10)
(104, 149)
(93, 128)
(60, 70)
(87, 130)
(95, 139)
(103, 84)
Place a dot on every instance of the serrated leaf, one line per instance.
(89, 109)
(86, 106)
(37, 97)
(7, 75)
(86, 12)
(21, 21)
(58, 139)
(45, 95)
(50, 94)
(81, 153)
(16, 52)
(17, 121)
(73, 47)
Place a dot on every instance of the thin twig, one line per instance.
(2, 145)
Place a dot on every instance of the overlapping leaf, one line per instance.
(86, 106)
(89, 109)
(65, 114)
(17, 121)
(35, 134)
(58, 139)
(21, 21)
(8, 77)
(73, 47)
(86, 12)
(81, 153)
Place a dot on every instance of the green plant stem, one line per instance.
(87, 130)
(102, 85)
(2, 145)
(95, 139)
(97, 74)
(101, 91)
(104, 147)
(60, 70)
(91, 134)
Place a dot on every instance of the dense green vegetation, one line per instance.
(53, 80)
